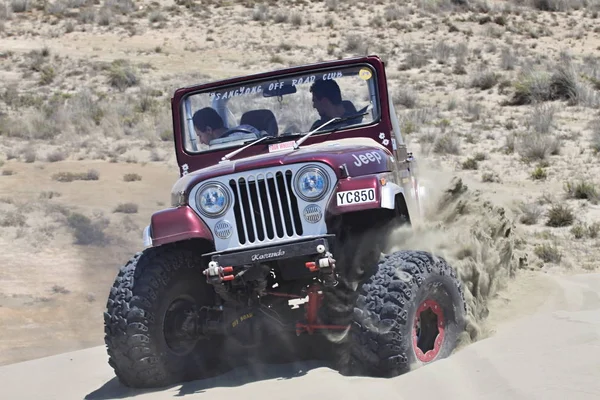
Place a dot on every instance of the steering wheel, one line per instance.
(233, 130)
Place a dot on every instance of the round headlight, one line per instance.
(312, 183)
(212, 199)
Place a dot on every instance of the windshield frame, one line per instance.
(185, 111)
(381, 131)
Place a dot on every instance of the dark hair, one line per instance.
(207, 117)
(327, 88)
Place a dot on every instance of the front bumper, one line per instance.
(300, 248)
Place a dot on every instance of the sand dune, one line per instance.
(547, 350)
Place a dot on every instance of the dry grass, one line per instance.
(560, 215)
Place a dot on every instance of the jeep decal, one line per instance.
(366, 158)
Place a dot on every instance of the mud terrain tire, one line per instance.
(137, 308)
(405, 284)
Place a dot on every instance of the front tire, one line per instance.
(409, 313)
(147, 339)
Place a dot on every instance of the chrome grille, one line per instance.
(265, 207)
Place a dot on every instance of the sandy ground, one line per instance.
(545, 347)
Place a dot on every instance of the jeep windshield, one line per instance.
(281, 107)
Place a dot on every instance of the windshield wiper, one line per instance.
(335, 119)
(226, 157)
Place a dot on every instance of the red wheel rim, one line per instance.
(436, 309)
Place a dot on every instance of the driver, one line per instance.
(327, 100)
(209, 125)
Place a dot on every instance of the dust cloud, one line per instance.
(477, 238)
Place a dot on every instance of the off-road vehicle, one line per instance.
(290, 183)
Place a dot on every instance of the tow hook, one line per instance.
(325, 265)
(217, 274)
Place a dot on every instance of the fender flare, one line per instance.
(173, 225)
(412, 192)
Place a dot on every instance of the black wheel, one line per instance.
(150, 332)
(410, 312)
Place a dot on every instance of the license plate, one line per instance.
(355, 197)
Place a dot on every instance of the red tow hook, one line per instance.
(215, 273)
(312, 266)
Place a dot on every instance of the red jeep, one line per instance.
(291, 182)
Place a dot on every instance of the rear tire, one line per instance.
(145, 342)
(407, 289)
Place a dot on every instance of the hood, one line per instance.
(361, 156)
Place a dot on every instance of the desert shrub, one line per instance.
(19, 6)
(105, 16)
(90, 175)
(559, 82)
(539, 173)
(29, 155)
(447, 144)
(530, 213)
(560, 215)
(582, 190)
(132, 177)
(593, 230)
(56, 155)
(355, 44)
(406, 96)
(578, 231)
(156, 16)
(484, 79)
(490, 177)
(548, 253)
(470, 164)
(260, 13)
(442, 51)
(126, 208)
(86, 231)
(542, 118)
(392, 12)
(86, 15)
(537, 146)
(417, 56)
(12, 219)
(122, 75)
(480, 156)
(508, 60)
(296, 19)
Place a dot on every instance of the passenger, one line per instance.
(209, 125)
